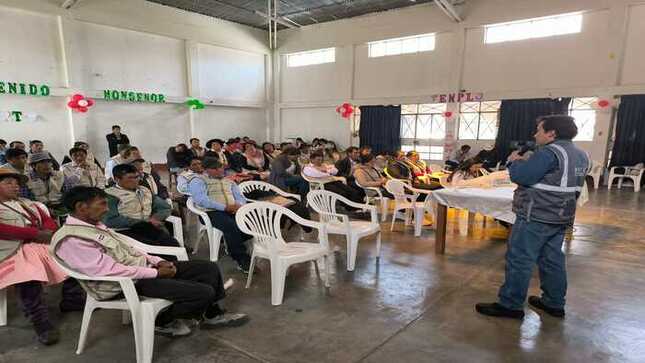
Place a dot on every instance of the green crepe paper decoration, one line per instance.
(195, 104)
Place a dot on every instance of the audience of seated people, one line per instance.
(151, 181)
(285, 172)
(91, 159)
(400, 168)
(135, 211)
(17, 162)
(367, 175)
(216, 150)
(177, 158)
(256, 163)
(220, 197)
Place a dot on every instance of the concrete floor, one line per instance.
(413, 306)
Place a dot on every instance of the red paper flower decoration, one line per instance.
(79, 103)
(603, 103)
(345, 110)
(447, 114)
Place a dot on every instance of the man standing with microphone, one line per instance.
(549, 183)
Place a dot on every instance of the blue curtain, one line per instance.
(629, 143)
(381, 128)
(517, 120)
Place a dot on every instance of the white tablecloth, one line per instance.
(493, 202)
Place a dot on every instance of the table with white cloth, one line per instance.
(493, 202)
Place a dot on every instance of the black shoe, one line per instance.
(48, 336)
(69, 306)
(498, 310)
(537, 303)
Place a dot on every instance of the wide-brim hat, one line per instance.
(7, 172)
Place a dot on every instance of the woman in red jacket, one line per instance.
(25, 232)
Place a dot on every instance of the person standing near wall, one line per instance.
(115, 139)
(549, 183)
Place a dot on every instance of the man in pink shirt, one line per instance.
(87, 246)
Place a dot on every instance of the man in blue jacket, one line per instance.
(549, 183)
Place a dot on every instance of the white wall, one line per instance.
(132, 45)
(315, 122)
(605, 59)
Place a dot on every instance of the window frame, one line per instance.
(399, 42)
(479, 119)
(326, 56)
(529, 28)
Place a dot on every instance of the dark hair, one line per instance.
(464, 166)
(290, 150)
(267, 143)
(129, 150)
(35, 142)
(317, 154)
(81, 194)
(79, 143)
(411, 152)
(210, 142)
(138, 161)
(116, 127)
(11, 144)
(211, 163)
(564, 126)
(14, 153)
(120, 170)
(351, 149)
(75, 150)
(3, 142)
(183, 146)
(366, 158)
(191, 159)
(191, 140)
(464, 147)
(232, 141)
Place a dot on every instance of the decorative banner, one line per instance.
(14, 88)
(345, 110)
(17, 116)
(131, 96)
(79, 103)
(194, 104)
(457, 97)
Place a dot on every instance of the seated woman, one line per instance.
(270, 152)
(399, 168)
(367, 175)
(256, 162)
(469, 169)
(317, 170)
(25, 232)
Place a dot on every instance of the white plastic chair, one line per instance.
(635, 173)
(318, 183)
(324, 203)
(213, 234)
(142, 310)
(374, 194)
(595, 173)
(252, 185)
(408, 202)
(262, 221)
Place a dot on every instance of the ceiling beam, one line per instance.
(450, 10)
(279, 20)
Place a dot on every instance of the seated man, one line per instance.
(399, 168)
(151, 181)
(80, 171)
(135, 211)
(87, 246)
(91, 159)
(285, 172)
(126, 155)
(46, 184)
(195, 169)
(17, 162)
(221, 198)
(37, 146)
(25, 232)
(317, 170)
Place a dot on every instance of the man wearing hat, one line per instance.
(45, 183)
(25, 232)
(221, 198)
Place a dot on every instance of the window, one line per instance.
(311, 57)
(421, 126)
(478, 120)
(581, 108)
(406, 45)
(533, 28)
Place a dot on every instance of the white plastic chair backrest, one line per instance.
(596, 168)
(190, 204)
(324, 201)
(262, 221)
(251, 185)
(369, 191)
(397, 189)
